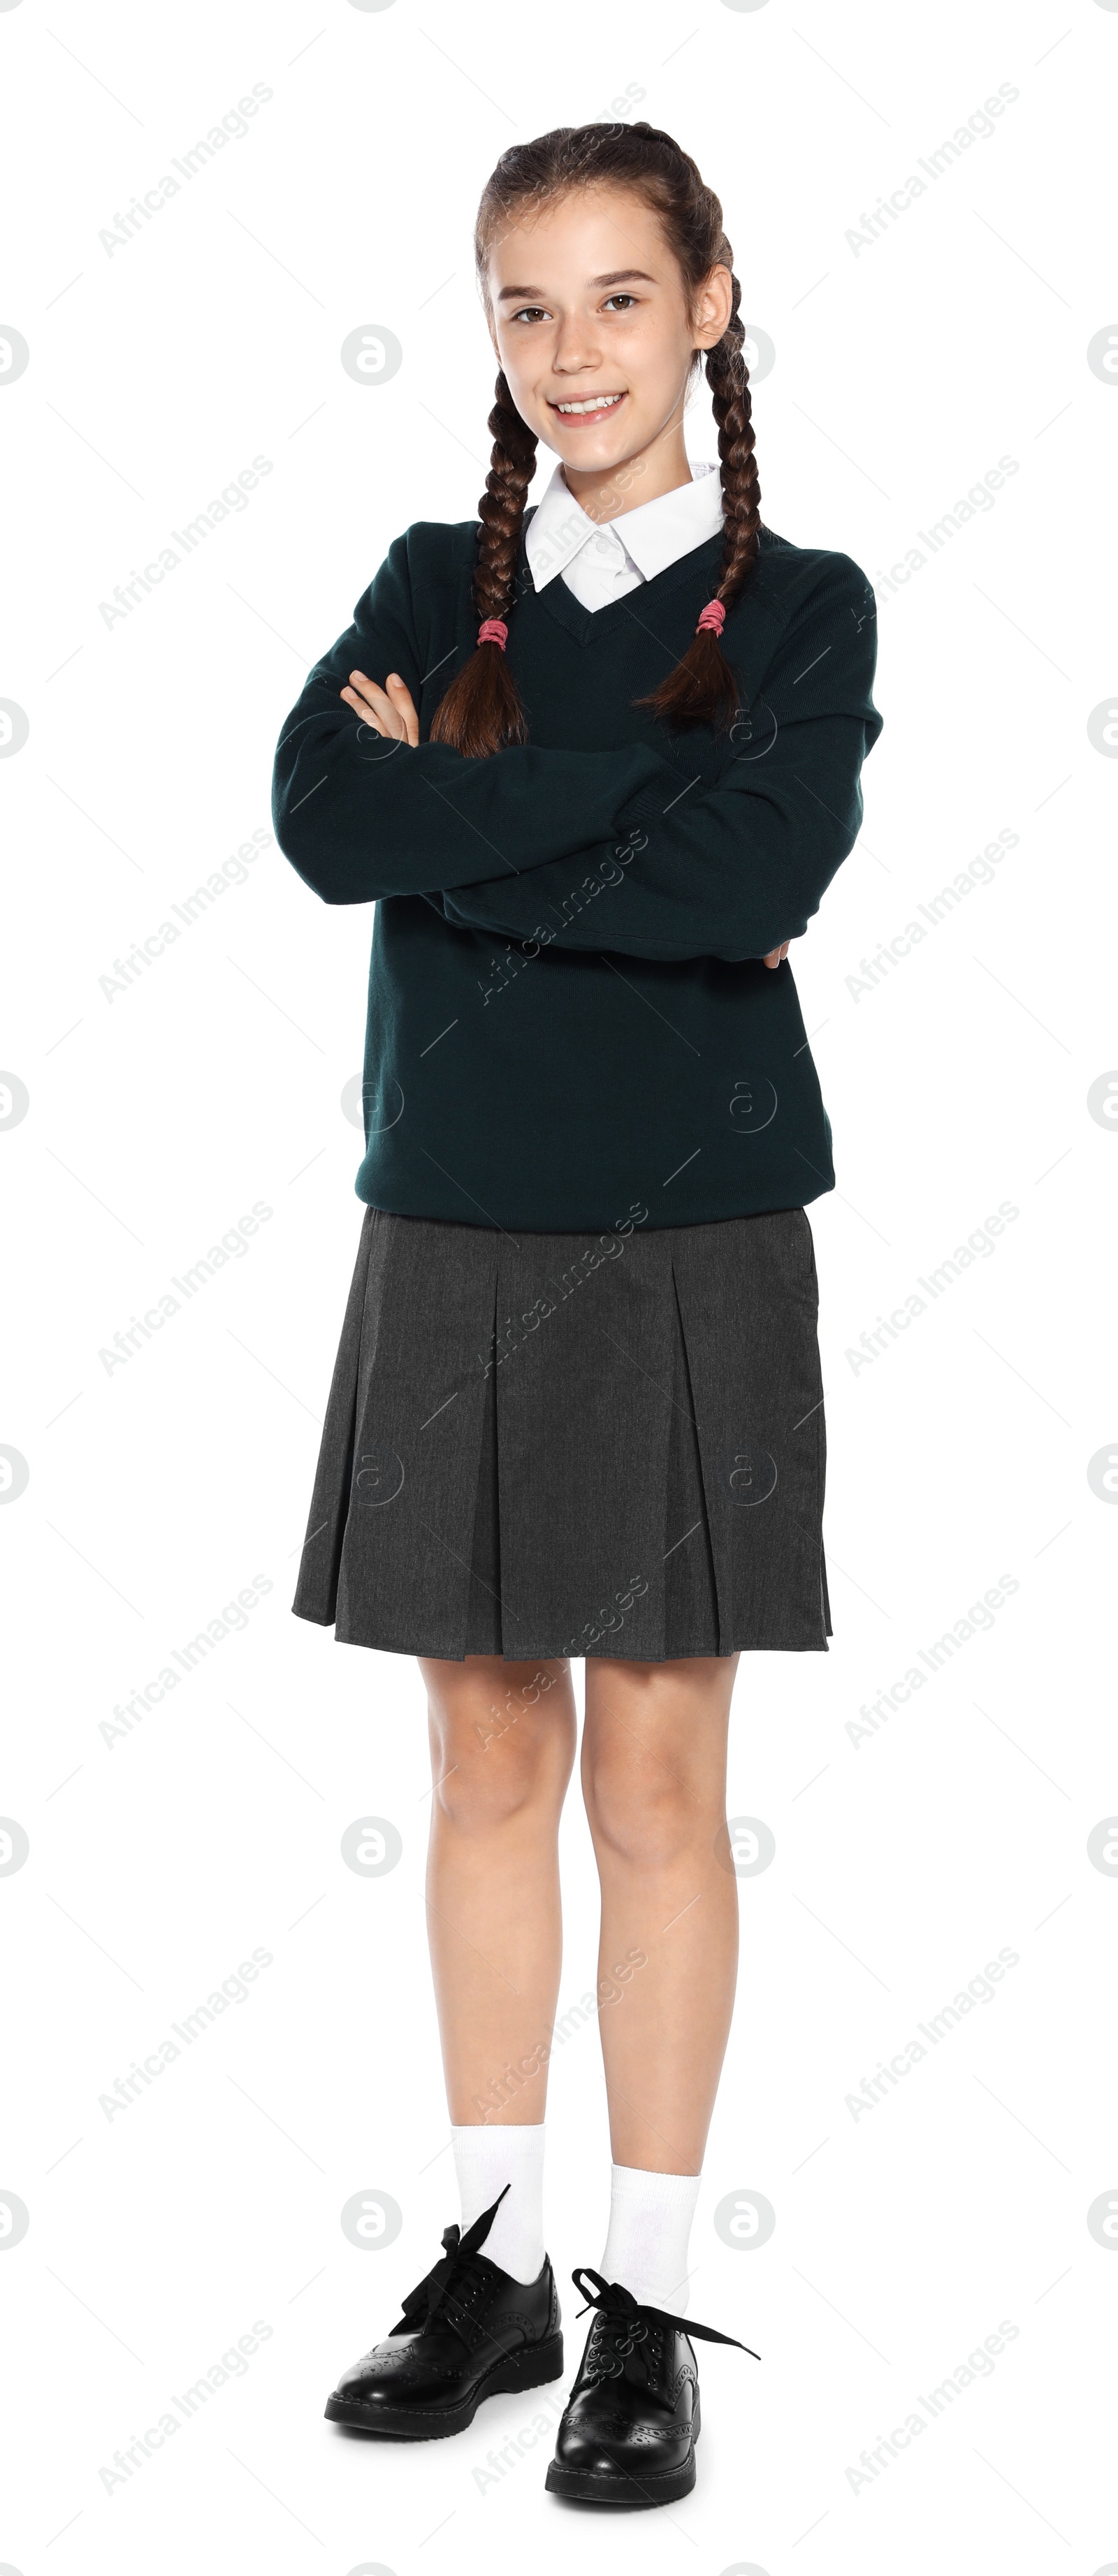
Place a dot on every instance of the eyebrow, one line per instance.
(616, 277)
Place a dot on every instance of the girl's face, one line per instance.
(591, 326)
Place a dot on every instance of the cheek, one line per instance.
(524, 365)
(658, 362)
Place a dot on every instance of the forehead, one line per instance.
(577, 239)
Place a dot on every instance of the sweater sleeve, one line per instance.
(733, 869)
(360, 816)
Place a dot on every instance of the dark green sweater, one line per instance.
(568, 1014)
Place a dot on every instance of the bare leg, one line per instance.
(654, 1782)
(502, 1752)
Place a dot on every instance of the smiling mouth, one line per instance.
(593, 407)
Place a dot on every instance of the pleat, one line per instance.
(316, 1588)
(426, 1333)
(749, 1306)
(584, 1378)
(692, 1623)
(484, 1634)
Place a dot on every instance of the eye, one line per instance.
(620, 298)
(528, 312)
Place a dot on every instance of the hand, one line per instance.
(389, 711)
(776, 955)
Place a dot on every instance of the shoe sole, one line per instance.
(528, 2367)
(622, 2489)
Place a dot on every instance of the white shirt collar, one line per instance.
(652, 536)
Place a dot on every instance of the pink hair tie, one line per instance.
(712, 618)
(493, 630)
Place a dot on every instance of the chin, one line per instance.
(597, 448)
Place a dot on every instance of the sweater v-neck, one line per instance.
(581, 623)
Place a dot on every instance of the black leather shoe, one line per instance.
(468, 2331)
(627, 2434)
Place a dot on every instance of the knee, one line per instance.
(491, 1767)
(642, 1810)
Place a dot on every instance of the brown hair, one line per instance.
(481, 711)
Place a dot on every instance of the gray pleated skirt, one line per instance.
(574, 1444)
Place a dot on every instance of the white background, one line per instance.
(905, 1859)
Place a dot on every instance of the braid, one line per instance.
(732, 404)
(727, 377)
(703, 689)
(481, 711)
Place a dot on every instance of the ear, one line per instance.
(714, 304)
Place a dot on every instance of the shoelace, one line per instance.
(622, 2322)
(436, 2295)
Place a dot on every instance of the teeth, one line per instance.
(597, 402)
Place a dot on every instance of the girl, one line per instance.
(596, 764)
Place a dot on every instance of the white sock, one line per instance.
(650, 2218)
(485, 2159)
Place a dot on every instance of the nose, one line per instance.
(575, 352)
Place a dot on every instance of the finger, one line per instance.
(773, 958)
(359, 697)
(362, 708)
(390, 717)
(374, 696)
(373, 703)
(404, 704)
